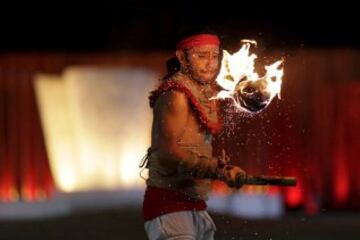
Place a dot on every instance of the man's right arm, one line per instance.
(171, 113)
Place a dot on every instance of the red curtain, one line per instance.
(24, 169)
(24, 166)
(312, 133)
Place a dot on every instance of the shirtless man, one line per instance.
(180, 160)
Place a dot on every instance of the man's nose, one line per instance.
(211, 61)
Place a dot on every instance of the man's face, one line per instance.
(203, 62)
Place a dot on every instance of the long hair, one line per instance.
(172, 66)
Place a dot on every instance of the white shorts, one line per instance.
(184, 225)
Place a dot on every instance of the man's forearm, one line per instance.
(199, 166)
(190, 162)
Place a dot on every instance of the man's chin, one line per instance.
(206, 79)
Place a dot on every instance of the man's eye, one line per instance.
(201, 56)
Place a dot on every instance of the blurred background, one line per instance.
(75, 120)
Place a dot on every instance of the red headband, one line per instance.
(197, 40)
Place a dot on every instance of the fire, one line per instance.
(237, 76)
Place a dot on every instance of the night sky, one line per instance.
(135, 26)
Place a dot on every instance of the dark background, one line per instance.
(314, 129)
(137, 25)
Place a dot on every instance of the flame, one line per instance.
(237, 74)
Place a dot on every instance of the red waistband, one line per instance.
(159, 201)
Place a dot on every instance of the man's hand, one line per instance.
(232, 175)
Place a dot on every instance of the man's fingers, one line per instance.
(231, 184)
(239, 180)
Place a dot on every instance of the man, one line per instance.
(180, 160)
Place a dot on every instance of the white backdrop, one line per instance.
(97, 124)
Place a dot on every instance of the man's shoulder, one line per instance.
(172, 93)
(174, 100)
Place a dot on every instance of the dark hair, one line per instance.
(172, 66)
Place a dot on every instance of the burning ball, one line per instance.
(252, 95)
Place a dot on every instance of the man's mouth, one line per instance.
(208, 73)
